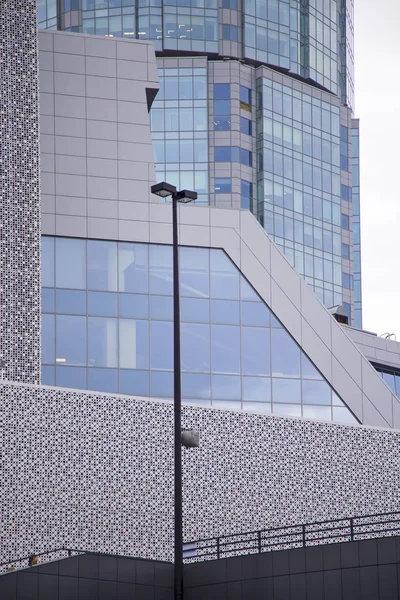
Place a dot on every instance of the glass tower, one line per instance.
(254, 111)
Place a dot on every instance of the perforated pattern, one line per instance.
(19, 192)
(88, 471)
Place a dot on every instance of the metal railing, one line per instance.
(44, 557)
(294, 536)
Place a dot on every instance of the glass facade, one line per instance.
(355, 197)
(179, 125)
(292, 165)
(299, 167)
(107, 326)
(391, 377)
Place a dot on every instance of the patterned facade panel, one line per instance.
(95, 472)
(19, 193)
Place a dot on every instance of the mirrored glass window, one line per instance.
(109, 327)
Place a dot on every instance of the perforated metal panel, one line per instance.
(91, 471)
(19, 192)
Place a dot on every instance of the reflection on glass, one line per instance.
(162, 384)
(133, 268)
(225, 387)
(102, 342)
(196, 385)
(257, 389)
(134, 382)
(71, 302)
(102, 265)
(103, 380)
(70, 263)
(316, 392)
(47, 261)
(225, 349)
(70, 340)
(286, 390)
(234, 351)
(317, 412)
(71, 377)
(285, 354)
(286, 409)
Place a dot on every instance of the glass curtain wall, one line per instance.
(107, 326)
(179, 125)
(355, 195)
(299, 163)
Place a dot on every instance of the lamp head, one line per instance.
(185, 196)
(163, 189)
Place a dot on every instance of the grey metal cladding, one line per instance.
(19, 192)
(94, 471)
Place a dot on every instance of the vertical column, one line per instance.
(19, 192)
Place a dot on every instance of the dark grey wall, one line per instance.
(91, 577)
(369, 569)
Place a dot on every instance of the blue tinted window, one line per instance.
(245, 94)
(133, 344)
(246, 188)
(162, 384)
(134, 382)
(48, 377)
(222, 91)
(223, 185)
(245, 126)
(102, 342)
(224, 277)
(47, 261)
(222, 154)
(161, 270)
(48, 339)
(255, 351)
(161, 307)
(195, 347)
(196, 310)
(347, 281)
(222, 123)
(256, 389)
(134, 306)
(222, 107)
(70, 340)
(71, 302)
(194, 270)
(161, 345)
(104, 380)
(286, 390)
(71, 377)
(133, 268)
(255, 313)
(246, 157)
(103, 304)
(345, 251)
(345, 221)
(225, 312)
(70, 263)
(196, 385)
(285, 354)
(225, 349)
(316, 392)
(345, 192)
(308, 371)
(47, 300)
(225, 387)
(102, 265)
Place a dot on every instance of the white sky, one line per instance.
(377, 105)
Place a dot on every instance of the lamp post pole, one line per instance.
(164, 190)
(178, 526)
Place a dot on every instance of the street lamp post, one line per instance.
(164, 190)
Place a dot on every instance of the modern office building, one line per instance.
(295, 423)
(254, 111)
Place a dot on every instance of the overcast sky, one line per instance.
(377, 105)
